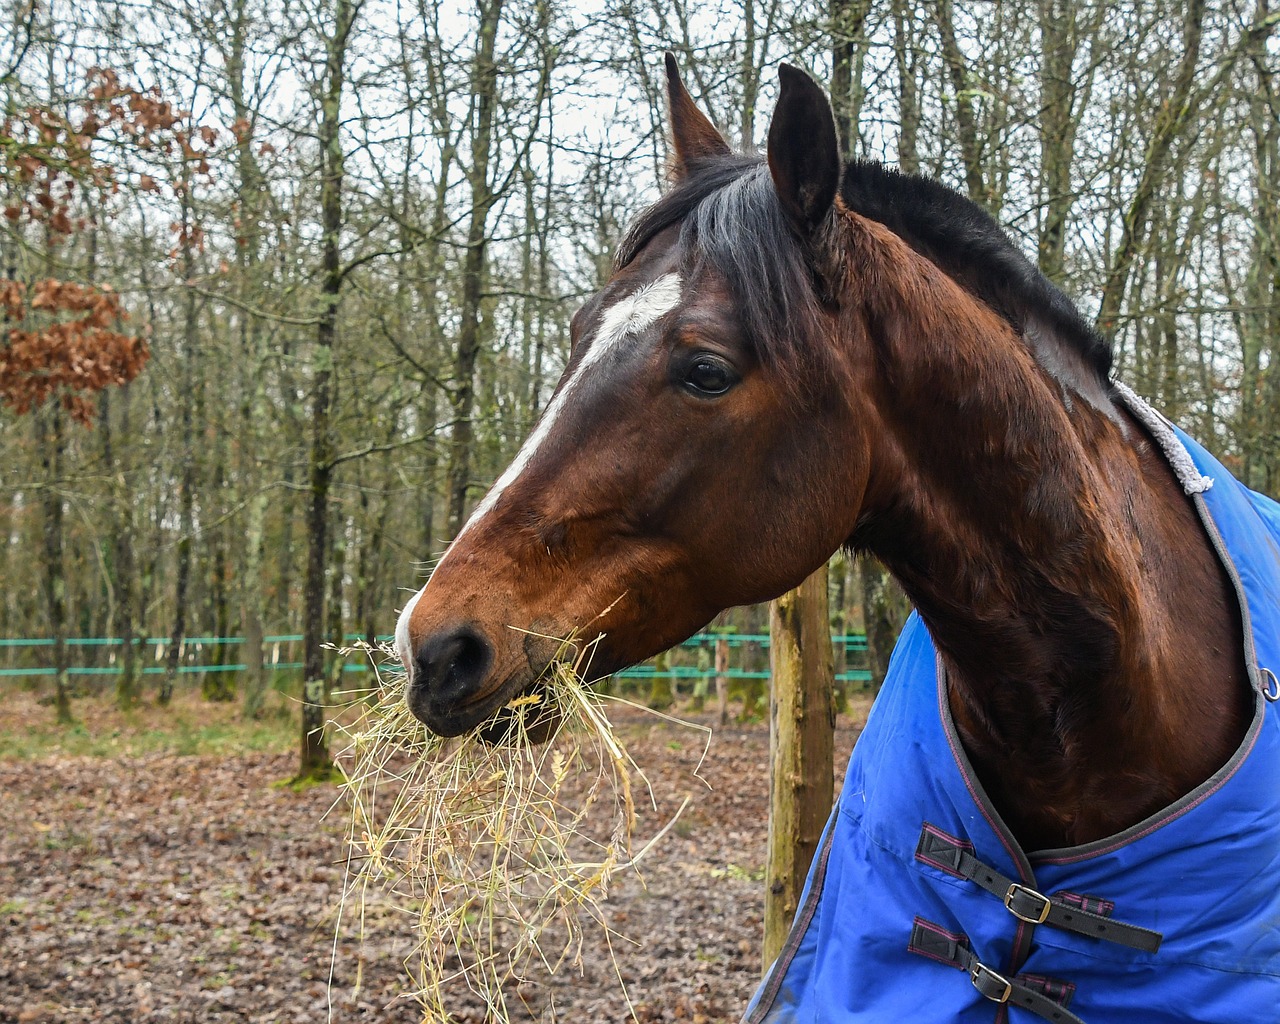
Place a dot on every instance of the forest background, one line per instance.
(284, 283)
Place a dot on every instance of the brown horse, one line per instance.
(791, 357)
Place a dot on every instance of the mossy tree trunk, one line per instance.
(661, 692)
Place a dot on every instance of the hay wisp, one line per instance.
(503, 853)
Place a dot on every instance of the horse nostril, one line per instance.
(451, 665)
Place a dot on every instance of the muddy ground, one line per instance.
(167, 887)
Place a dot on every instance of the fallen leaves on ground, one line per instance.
(196, 888)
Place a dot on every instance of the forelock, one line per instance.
(731, 219)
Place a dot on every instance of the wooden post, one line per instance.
(801, 746)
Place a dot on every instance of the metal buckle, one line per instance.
(1016, 890)
(980, 973)
(1271, 689)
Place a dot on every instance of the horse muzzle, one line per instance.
(461, 677)
(446, 681)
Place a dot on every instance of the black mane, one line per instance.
(729, 213)
(966, 244)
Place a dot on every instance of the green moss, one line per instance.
(324, 775)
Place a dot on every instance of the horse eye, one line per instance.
(709, 376)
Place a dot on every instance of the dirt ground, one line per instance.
(167, 887)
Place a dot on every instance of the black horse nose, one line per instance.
(448, 668)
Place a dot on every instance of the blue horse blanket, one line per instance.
(908, 914)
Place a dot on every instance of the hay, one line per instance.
(503, 853)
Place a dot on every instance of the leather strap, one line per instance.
(928, 939)
(948, 854)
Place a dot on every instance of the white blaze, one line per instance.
(402, 633)
(628, 316)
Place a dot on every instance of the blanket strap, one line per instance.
(1035, 994)
(949, 854)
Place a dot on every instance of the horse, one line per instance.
(793, 355)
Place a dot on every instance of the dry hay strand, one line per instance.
(503, 852)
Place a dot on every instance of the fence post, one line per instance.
(801, 747)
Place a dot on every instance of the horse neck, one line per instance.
(1061, 571)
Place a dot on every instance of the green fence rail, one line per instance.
(115, 641)
(852, 643)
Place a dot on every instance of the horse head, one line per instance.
(686, 462)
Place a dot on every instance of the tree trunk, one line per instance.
(750, 75)
(906, 56)
(847, 51)
(51, 441)
(884, 612)
(253, 412)
(428, 285)
(313, 760)
(484, 86)
(1174, 116)
(218, 685)
(722, 682)
(128, 688)
(1256, 323)
(369, 571)
(662, 693)
(286, 606)
(966, 123)
(801, 748)
(255, 682)
(1057, 123)
(123, 563)
(336, 630)
(186, 483)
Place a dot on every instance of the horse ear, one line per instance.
(804, 156)
(694, 136)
